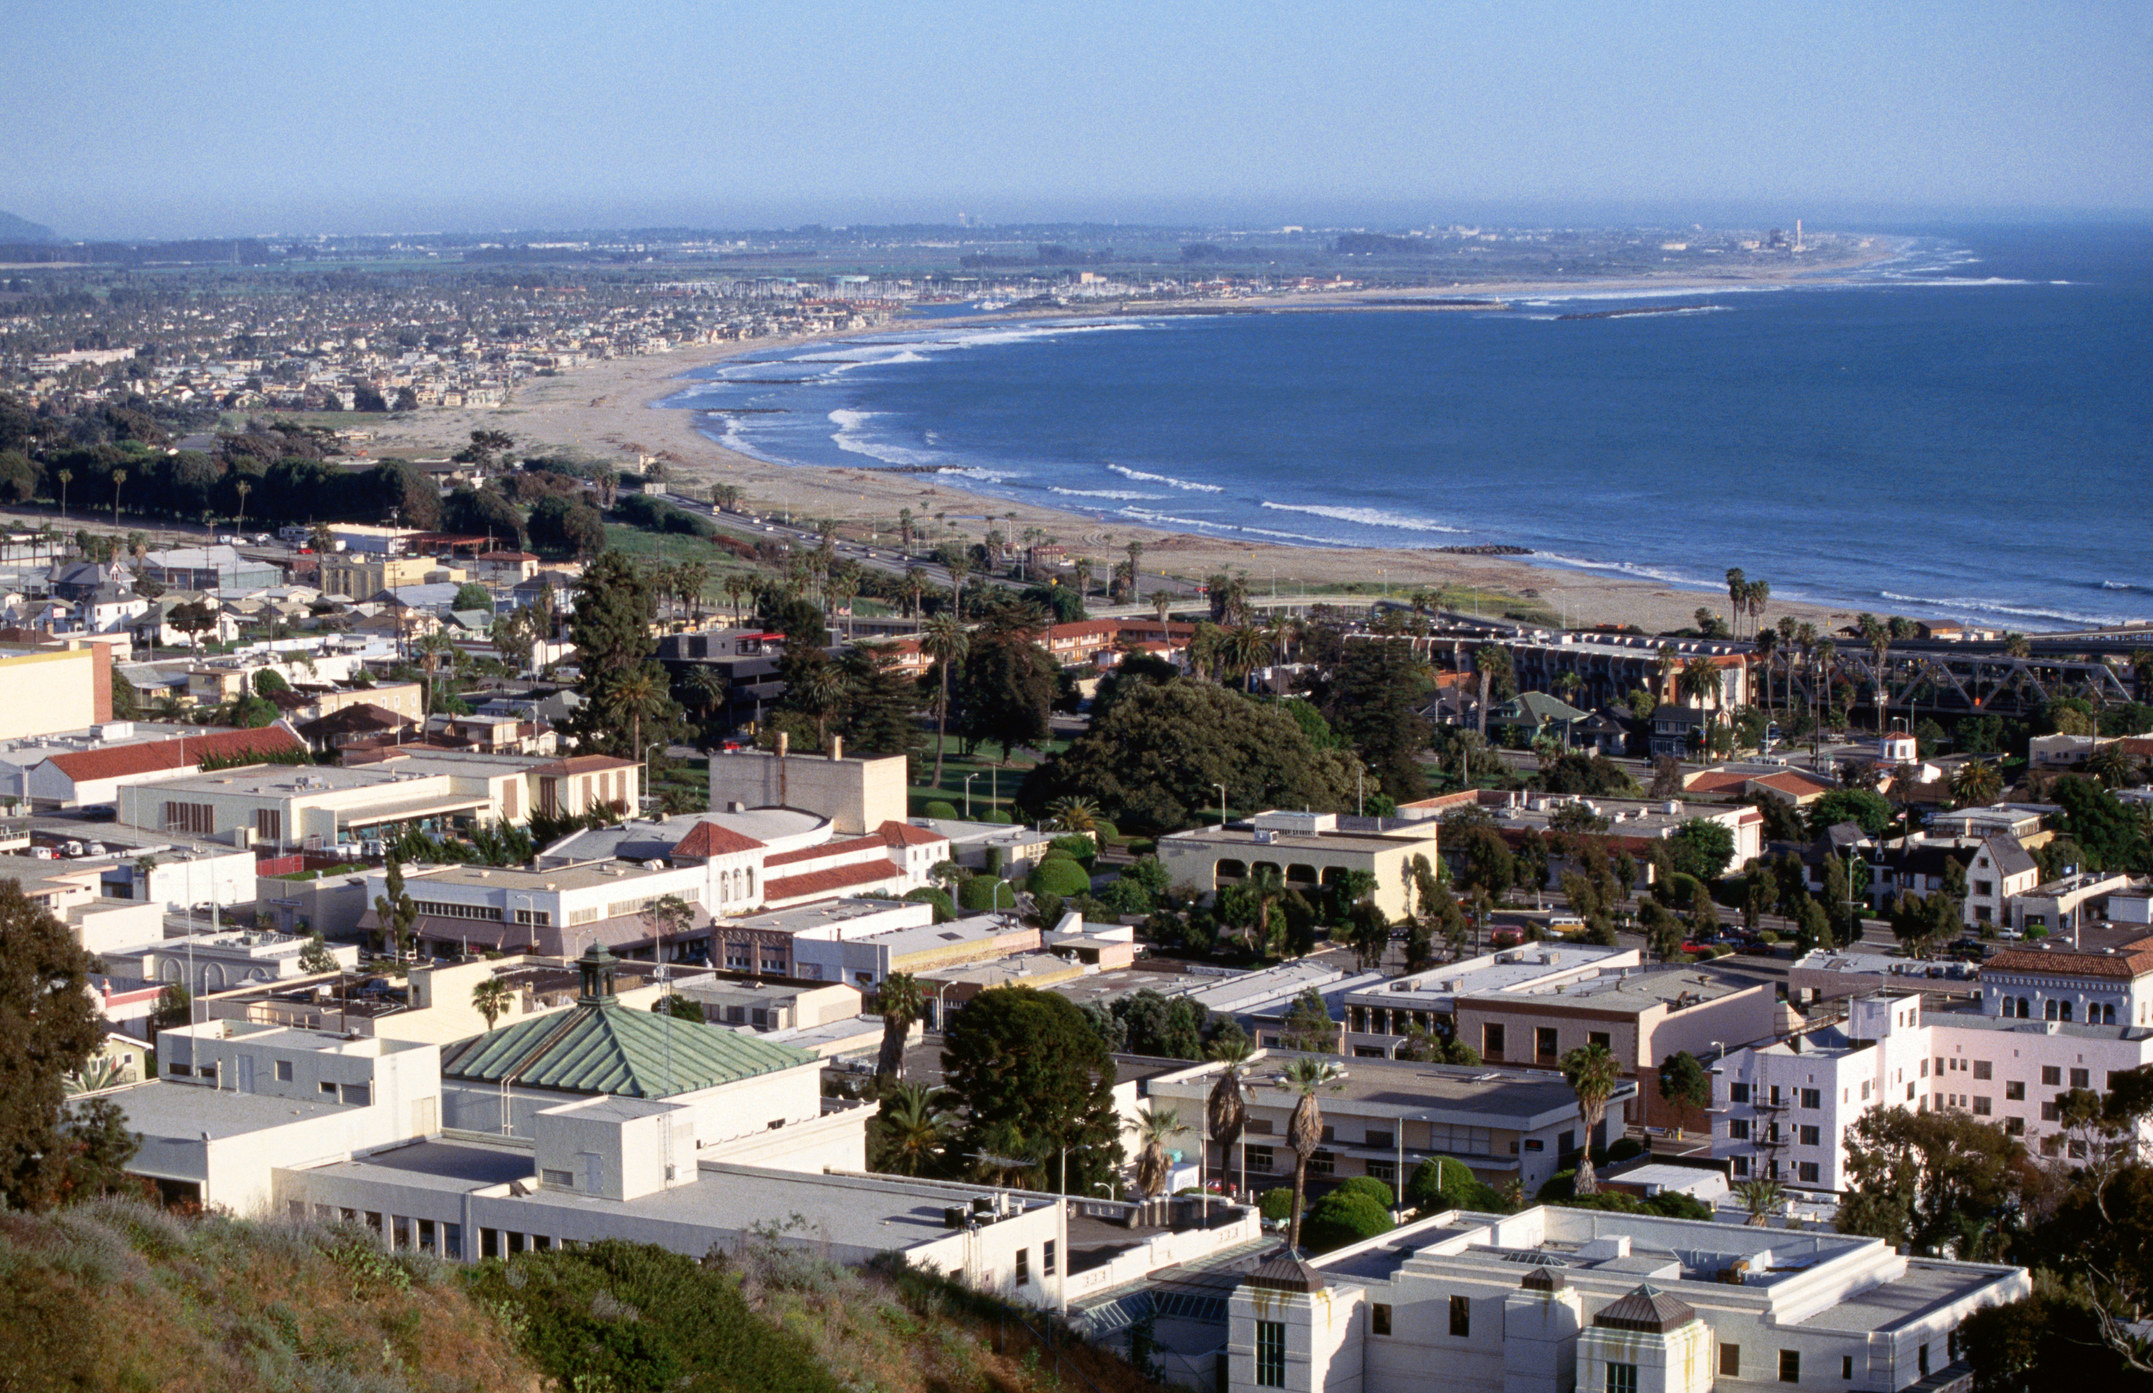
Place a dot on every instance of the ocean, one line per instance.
(1964, 431)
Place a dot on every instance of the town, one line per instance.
(510, 853)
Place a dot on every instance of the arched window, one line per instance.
(2025, 1009)
(2048, 1010)
(2066, 1010)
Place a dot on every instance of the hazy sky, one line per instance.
(124, 119)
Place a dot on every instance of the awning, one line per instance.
(411, 811)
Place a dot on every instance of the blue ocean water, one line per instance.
(1966, 430)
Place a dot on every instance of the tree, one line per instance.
(1863, 807)
(621, 684)
(1304, 1129)
(490, 998)
(1225, 1107)
(901, 1002)
(1156, 757)
(1489, 660)
(1931, 1179)
(1008, 682)
(1346, 1215)
(945, 641)
(1761, 1196)
(1684, 1083)
(1155, 1126)
(396, 910)
(911, 1129)
(1030, 1073)
(1376, 697)
(1593, 1073)
(316, 957)
(1976, 783)
(1702, 848)
(48, 1030)
(1308, 1026)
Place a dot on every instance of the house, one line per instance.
(1529, 715)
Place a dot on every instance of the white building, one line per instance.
(1563, 1300)
(1382, 1016)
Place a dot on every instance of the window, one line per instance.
(1046, 1258)
(2014, 1091)
(357, 1095)
(1259, 1158)
(426, 1236)
(198, 818)
(1386, 1140)
(1491, 1041)
(1741, 1168)
(1322, 1163)
(489, 1243)
(1260, 1126)
(2051, 1112)
(284, 1071)
(1270, 1354)
(328, 1087)
(564, 1179)
(2081, 1078)
(1600, 1038)
(1024, 1266)
(1983, 1069)
(1621, 1378)
(1461, 1315)
(1544, 1043)
(1923, 1360)
(1925, 1067)
(2051, 1076)
(1730, 1361)
(1846, 1366)
(1810, 1136)
(1981, 1105)
(1379, 1319)
(452, 1242)
(1812, 1098)
(1737, 1092)
(401, 1227)
(1385, 1171)
(1790, 1366)
(1738, 1128)
(1806, 1172)
(268, 825)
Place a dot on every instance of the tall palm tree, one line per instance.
(1225, 1109)
(1155, 1126)
(631, 696)
(242, 488)
(707, 686)
(1737, 592)
(901, 1002)
(945, 641)
(904, 530)
(1699, 681)
(1083, 569)
(736, 585)
(1759, 593)
(1976, 783)
(1245, 648)
(1878, 637)
(822, 690)
(1136, 580)
(1162, 600)
(913, 1127)
(1486, 659)
(432, 650)
(1767, 648)
(959, 567)
(1304, 1130)
(65, 477)
(691, 577)
(1593, 1073)
(490, 999)
(915, 586)
(1266, 888)
(119, 477)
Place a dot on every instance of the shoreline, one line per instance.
(612, 407)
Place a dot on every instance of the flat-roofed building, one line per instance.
(1307, 850)
(1386, 1014)
(46, 688)
(1552, 1300)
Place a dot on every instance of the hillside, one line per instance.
(14, 229)
(117, 1295)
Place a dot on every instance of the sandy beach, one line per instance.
(609, 408)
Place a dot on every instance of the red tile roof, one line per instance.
(895, 833)
(708, 839)
(1716, 781)
(829, 882)
(2133, 959)
(1799, 785)
(118, 761)
(822, 851)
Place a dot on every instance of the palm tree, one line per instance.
(1154, 1126)
(736, 585)
(1083, 570)
(1304, 1130)
(1074, 814)
(2017, 646)
(1136, 580)
(1762, 1198)
(901, 1001)
(959, 567)
(631, 696)
(690, 577)
(1162, 600)
(944, 640)
(431, 650)
(1266, 888)
(239, 519)
(1592, 1073)
(1226, 1110)
(119, 477)
(490, 999)
(1767, 646)
(1737, 592)
(904, 529)
(707, 686)
(1486, 659)
(1879, 639)
(1244, 649)
(1759, 593)
(913, 1129)
(65, 477)
(822, 690)
(915, 586)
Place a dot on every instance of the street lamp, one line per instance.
(968, 794)
(649, 779)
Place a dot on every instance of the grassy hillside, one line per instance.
(121, 1296)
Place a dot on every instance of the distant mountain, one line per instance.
(14, 229)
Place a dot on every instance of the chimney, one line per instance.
(837, 747)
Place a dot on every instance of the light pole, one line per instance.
(968, 794)
(649, 778)
(1222, 803)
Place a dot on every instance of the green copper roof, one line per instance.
(603, 1047)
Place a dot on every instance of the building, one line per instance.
(1307, 850)
(857, 795)
(213, 962)
(359, 575)
(49, 688)
(1555, 1300)
(120, 755)
(1510, 1126)
(217, 567)
(2069, 903)
(1386, 1014)
(1642, 1015)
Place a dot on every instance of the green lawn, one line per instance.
(955, 766)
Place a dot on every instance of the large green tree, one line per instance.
(1034, 1083)
(48, 1029)
(1156, 759)
(1924, 1180)
(1376, 696)
(624, 691)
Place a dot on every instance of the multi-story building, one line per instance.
(1553, 1300)
(360, 575)
(1307, 850)
(1385, 1117)
(1386, 1014)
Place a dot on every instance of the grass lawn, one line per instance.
(955, 767)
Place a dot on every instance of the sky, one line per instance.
(255, 116)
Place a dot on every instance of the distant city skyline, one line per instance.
(256, 117)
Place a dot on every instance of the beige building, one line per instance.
(361, 575)
(47, 690)
(1307, 849)
(857, 795)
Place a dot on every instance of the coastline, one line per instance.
(612, 407)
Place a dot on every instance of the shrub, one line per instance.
(944, 909)
(1344, 1216)
(982, 894)
(1623, 1149)
(1105, 831)
(998, 815)
(1058, 876)
(1367, 1185)
(1276, 1203)
(939, 808)
(1443, 1182)
(1076, 846)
